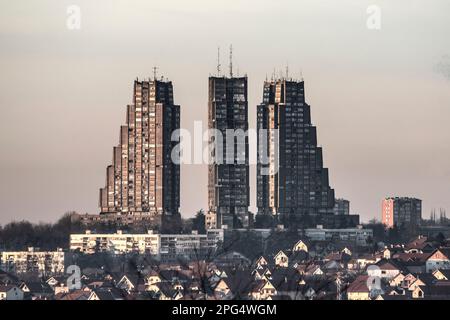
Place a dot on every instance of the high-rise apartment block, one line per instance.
(341, 207)
(299, 185)
(143, 180)
(228, 177)
(401, 211)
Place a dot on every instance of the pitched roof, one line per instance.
(109, 294)
(6, 288)
(257, 285)
(322, 285)
(239, 282)
(74, 295)
(412, 258)
(419, 243)
(445, 251)
(298, 256)
(37, 287)
(426, 278)
(444, 272)
(387, 265)
(359, 284)
(167, 289)
(285, 279)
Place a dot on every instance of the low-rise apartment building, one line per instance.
(33, 261)
(163, 246)
(116, 243)
(357, 235)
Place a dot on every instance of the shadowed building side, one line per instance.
(299, 187)
(228, 181)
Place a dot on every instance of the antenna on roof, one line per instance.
(155, 68)
(231, 61)
(218, 61)
(287, 71)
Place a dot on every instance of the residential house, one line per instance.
(300, 245)
(79, 295)
(442, 274)
(37, 290)
(262, 289)
(10, 292)
(359, 289)
(439, 259)
(431, 292)
(415, 262)
(106, 294)
(237, 285)
(403, 281)
(419, 245)
(383, 269)
(281, 259)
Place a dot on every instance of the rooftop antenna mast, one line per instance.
(218, 61)
(287, 71)
(154, 72)
(231, 61)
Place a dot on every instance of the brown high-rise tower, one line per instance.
(143, 179)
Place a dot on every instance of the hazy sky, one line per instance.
(380, 98)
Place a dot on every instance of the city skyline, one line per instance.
(62, 95)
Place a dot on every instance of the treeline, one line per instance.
(19, 235)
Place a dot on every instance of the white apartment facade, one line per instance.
(33, 261)
(116, 243)
(358, 235)
(163, 246)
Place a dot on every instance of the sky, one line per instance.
(380, 98)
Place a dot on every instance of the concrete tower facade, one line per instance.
(300, 186)
(228, 177)
(143, 179)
